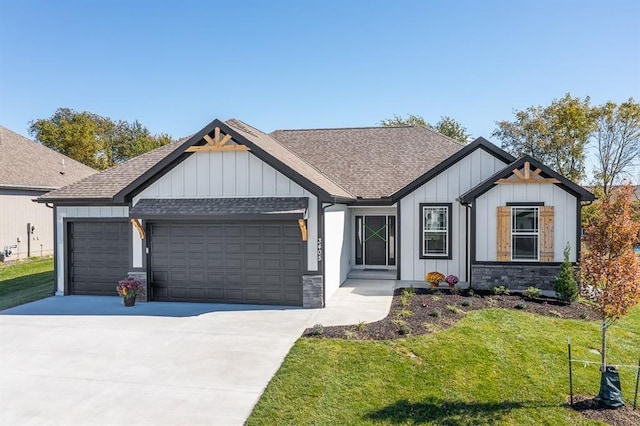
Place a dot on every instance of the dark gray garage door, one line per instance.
(245, 262)
(98, 254)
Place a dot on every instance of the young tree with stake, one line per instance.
(610, 269)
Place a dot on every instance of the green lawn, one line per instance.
(493, 367)
(25, 282)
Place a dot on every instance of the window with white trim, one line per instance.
(435, 220)
(525, 233)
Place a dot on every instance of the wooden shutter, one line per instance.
(546, 234)
(504, 234)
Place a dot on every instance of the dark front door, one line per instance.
(375, 240)
(242, 262)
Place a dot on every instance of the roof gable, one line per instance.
(478, 143)
(544, 172)
(370, 162)
(29, 165)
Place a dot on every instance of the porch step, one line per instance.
(372, 274)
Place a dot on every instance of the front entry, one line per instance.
(375, 240)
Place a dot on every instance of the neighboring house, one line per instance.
(28, 170)
(235, 215)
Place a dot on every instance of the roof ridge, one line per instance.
(293, 153)
(346, 128)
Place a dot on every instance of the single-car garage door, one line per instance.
(98, 256)
(241, 262)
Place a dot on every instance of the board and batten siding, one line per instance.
(17, 209)
(80, 212)
(446, 187)
(564, 206)
(337, 247)
(232, 174)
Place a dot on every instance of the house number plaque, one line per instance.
(319, 249)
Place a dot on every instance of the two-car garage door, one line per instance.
(232, 262)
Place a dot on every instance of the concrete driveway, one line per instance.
(82, 360)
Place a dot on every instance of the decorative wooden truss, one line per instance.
(526, 176)
(217, 144)
(303, 229)
(136, 224)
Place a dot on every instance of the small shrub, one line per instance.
(405, 313)
(404, 330)
(556, 314)
(435, 298)
(436, 313)
(470, 292)
(361, 326)
(532, 292)
(349, 335)
(398, 322)
(584, 316)
(500, 289)
(317, 330)
(521, 305)
(404, 301)
(565, 286)
(466, 303)
(409, 291)
(491, 302)
(454, 309)
(428, 327)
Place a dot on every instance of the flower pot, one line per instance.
(435, 285)
(129, 301)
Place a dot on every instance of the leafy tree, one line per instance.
(96, 141)
(556, 134)
(617, 139)
(565, 284)
(610, 269)
(446, 125)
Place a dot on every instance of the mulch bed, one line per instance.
(430, 310)
(623, 416)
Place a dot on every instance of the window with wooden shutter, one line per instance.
(525, 233)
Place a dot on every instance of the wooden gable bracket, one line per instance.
(216, 144)
(303, 229)
(136, 224)
(526, 176)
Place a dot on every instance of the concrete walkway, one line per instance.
(355, 301)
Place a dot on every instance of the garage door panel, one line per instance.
(256, 262)
(98, 256)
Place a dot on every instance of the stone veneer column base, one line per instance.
(514, 276)
(312, 291)
(142, 276)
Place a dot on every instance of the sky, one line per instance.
(177, 65)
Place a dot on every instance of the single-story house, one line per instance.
(235, 215)
(28, 170)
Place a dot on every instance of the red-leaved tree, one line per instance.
(610, 269)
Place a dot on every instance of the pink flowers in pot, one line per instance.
(451, 280)
(130, 287)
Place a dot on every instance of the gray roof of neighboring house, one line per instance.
(370, 162)
(234, 207)
(26, 164)
(106, 185)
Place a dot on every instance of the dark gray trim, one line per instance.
(371, 202)
(576, 190)
(523, 204)
(578, 228)
(480, 142)
(218, 218)
(467, 229)
(472, 243)
(398, 240)
(449, 255)
(322, 266)
(55, 249)
(81, 201)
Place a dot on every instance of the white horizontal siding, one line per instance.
(233, 174)
(564, 209)
(16, 211)
(444, 188)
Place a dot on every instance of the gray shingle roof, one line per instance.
(193, 207)
(370, 162)
(27, 164)
(105, 185)
(298, 163)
